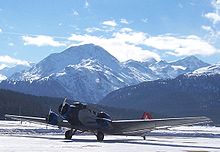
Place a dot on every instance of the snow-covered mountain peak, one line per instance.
(191, 63)
(7, 72)
(89, 51)
(132, 64)
(2, 77)
(162, 63)
(73, 56)
(149, 61)
(209, 70)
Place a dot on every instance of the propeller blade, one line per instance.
(64, 102)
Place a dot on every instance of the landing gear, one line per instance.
(69, 134)
(100, 136)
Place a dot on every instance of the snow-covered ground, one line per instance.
(18, 137)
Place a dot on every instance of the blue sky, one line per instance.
(171, 29)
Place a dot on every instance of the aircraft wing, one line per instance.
(62, 123)
(140, 127)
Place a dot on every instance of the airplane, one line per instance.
(85, 118)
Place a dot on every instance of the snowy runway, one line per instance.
(31, 137)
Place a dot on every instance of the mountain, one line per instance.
(137, 72)
(190, 63)
(2, 77)
(86, 73)
(190, 94)
(149, 61)
(209, 70)
(72, 56)
(9, 71)
(166, 69)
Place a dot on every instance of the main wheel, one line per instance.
(68, 134)
(100, 136)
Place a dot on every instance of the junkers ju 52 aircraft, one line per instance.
(82, 117)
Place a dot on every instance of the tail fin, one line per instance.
(146, 115)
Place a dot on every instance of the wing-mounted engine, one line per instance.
(64, 109)
(53, 118)
(104, 120)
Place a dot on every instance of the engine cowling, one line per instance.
(104, 120)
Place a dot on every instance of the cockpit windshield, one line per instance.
(104, 115)
(80, 105)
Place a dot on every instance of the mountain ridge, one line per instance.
(186, 95)
(88, 73)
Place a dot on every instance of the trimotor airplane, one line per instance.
(83, 117)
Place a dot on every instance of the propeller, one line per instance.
(63, 108)
(63, 104)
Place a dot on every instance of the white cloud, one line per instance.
(207, 28)
(123, 30)
(124, 21)
(128, 44)
(95, 29)
(181, 46)
(11, 44)
(9, 60)
(0, 30)
(120, 45)
(2, 66)
(41, 40)
(132, 37)
(213, 29)
(214, 17)
(110, 23)
(75, 13)
(92, 29)
(105, 29)
(86, 4)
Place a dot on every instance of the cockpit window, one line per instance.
(79, 105)
(104, 115)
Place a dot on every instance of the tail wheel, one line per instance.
(100, 136)
(68, 134)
